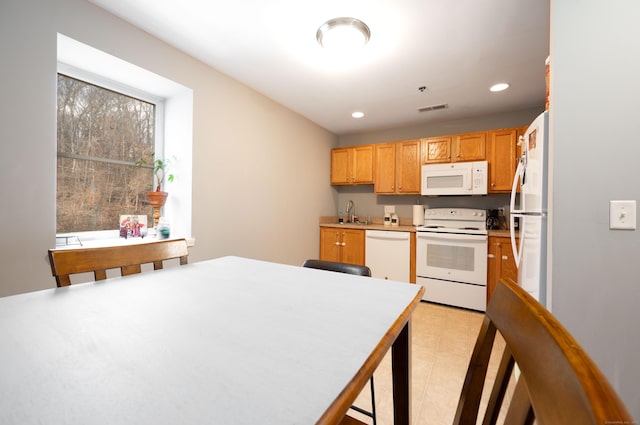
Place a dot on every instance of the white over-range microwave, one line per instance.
(458, 178)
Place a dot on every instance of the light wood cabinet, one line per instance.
(394, 168)
(436, 150)
(500, 262)
(397, 168)
(469, 147)
(342, 245)
(352, 165)
(502, 155)
(503, 151)
(458, 148)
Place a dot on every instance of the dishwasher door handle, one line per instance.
(387, 235)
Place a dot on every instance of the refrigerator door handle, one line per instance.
(514, 212)
(514, 188)
(517, 251)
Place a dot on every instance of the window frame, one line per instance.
(109, 84)
(178, 118)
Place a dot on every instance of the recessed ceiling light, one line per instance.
(499, 87)
(343, 33)
(357, 114)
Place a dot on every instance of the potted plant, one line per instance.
(160, 168)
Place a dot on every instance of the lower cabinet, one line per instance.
(342, 245)
(500, 263)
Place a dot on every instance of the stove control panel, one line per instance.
(454, 214)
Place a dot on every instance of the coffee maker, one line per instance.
(493, 220)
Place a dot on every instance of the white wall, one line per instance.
(27, 143)
(595, 85)
(260, 171)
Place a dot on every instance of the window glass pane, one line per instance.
(101, 134)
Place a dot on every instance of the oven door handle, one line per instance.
(452, 236)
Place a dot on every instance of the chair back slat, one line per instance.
(558, 382)
(520, 411)
(467, 411)
(127, 258)
(500, 386)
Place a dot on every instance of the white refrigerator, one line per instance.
(529, 207)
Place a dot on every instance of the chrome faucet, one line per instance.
(349, 211)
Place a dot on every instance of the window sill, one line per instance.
(110, 238)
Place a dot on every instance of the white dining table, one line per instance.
(224, 341)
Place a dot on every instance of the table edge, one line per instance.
(344, 400)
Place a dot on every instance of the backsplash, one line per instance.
(367, 203)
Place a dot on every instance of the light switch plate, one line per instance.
(622, 215)
(389, 209)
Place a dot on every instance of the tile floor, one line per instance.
(442, 341)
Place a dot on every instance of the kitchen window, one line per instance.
(101, 133)
(169, 134)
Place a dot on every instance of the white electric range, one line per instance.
(451, 257)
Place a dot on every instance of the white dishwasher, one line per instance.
(387, 254)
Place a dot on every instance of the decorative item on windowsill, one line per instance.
(164, 228)
(133, 226)
(158, 197)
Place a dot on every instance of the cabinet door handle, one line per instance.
(338, 243)
(491, 256)
(343, 244)
(504, 257)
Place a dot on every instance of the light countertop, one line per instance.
(377, 225)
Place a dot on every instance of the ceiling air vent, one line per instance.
(433, 107)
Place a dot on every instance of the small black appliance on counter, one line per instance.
(494, 220)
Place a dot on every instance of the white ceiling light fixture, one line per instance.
(499, 87)
(343, 34)
(357, 114)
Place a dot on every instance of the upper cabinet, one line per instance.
(458, 148)
(397, 168)
(394, 168)
(436, 150)
(469, 147)
(502, 154)
(353, 165)
(502, 159)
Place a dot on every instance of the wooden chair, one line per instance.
(128, 258)
(360, 271)
(558, 382)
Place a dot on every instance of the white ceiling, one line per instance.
(456, 48)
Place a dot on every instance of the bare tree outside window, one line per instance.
(101, 135)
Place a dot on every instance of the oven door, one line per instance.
(451, 256)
